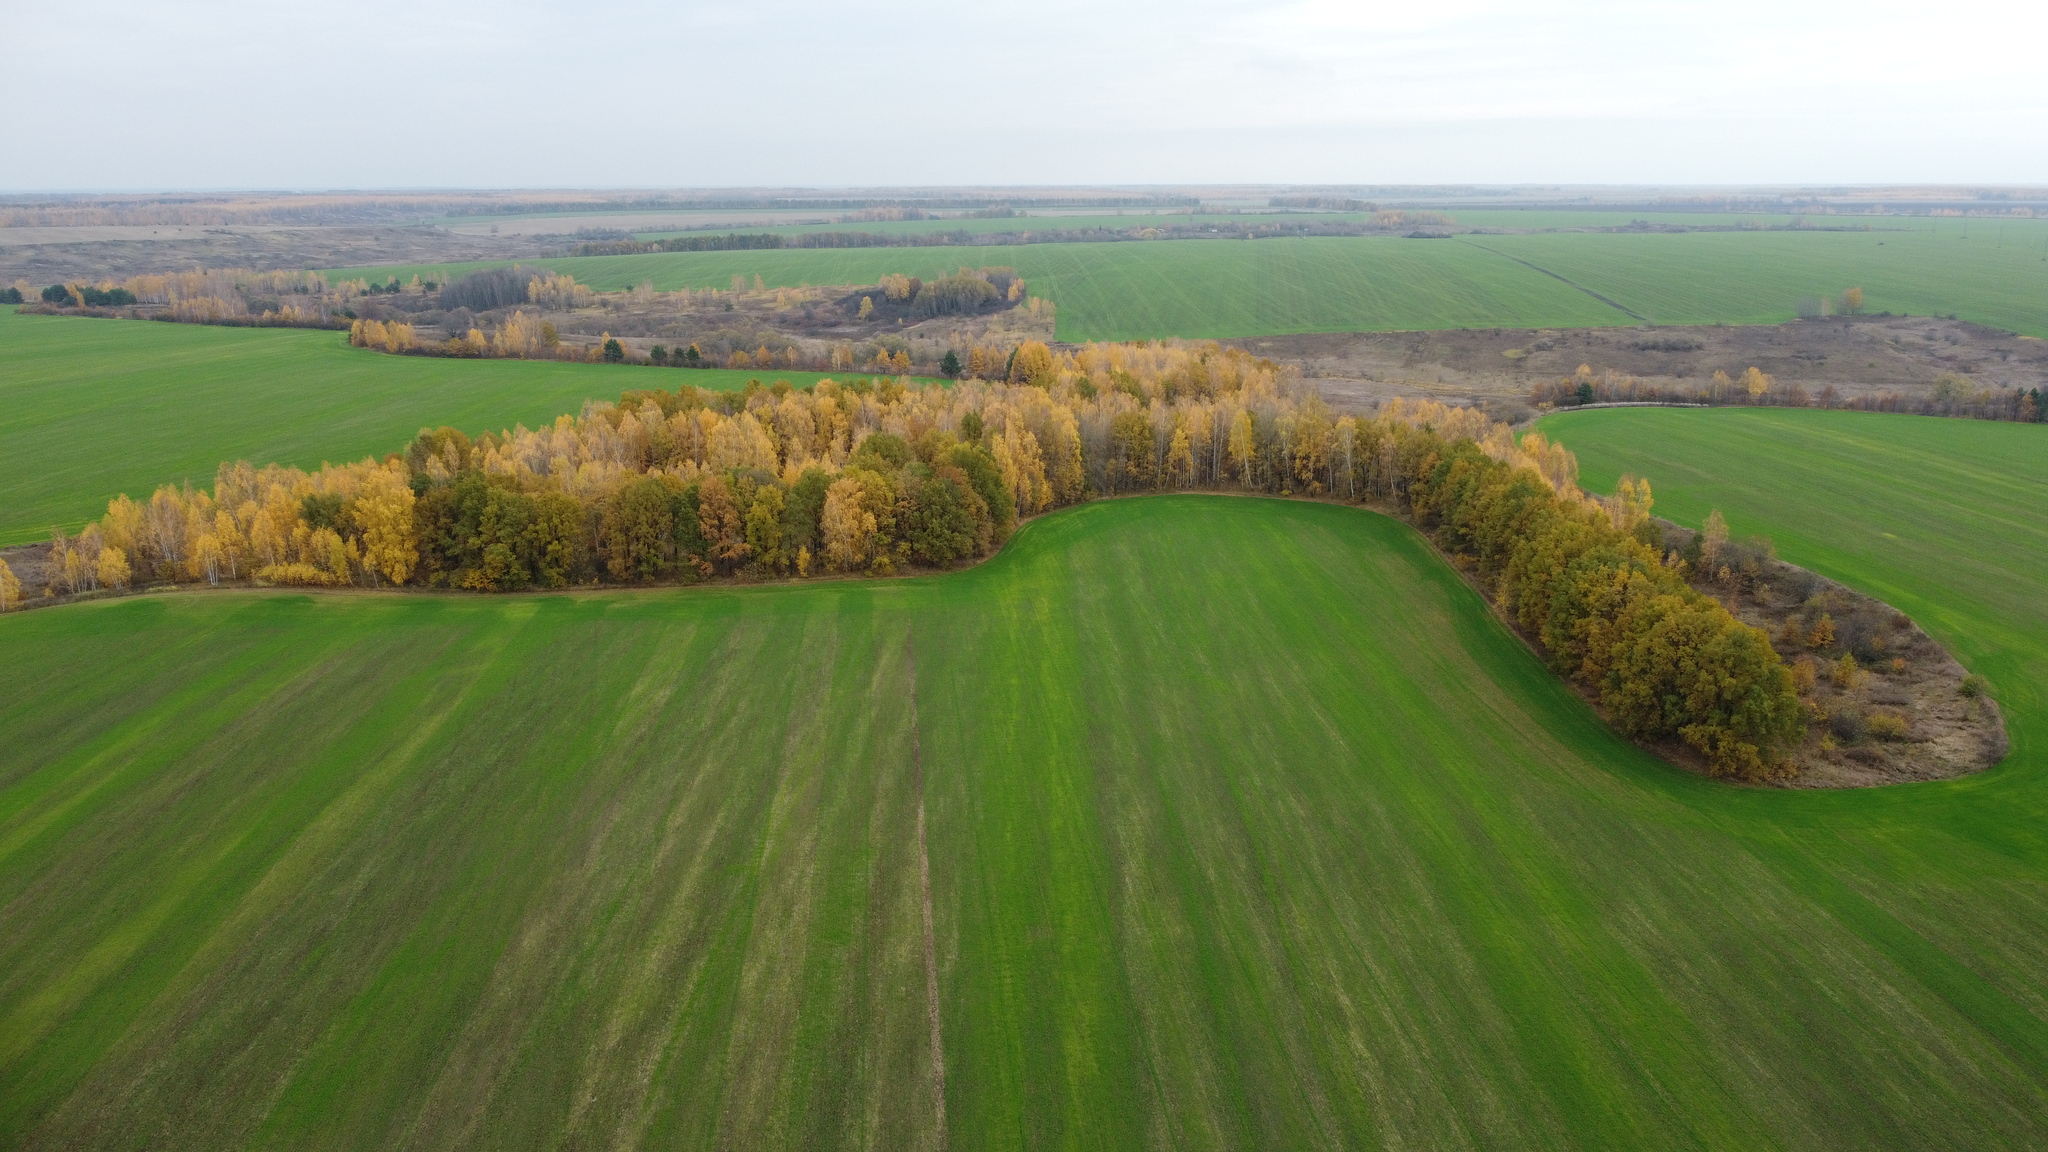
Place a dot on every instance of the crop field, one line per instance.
(1223, 288)
(1246, 825)
(1037, 221)
(1562, 219)
(1194, 288)
(1757, 278)
(91, 408)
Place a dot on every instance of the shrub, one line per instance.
(1847, 724)
(1887, 726)
(1975, 685)
(10, 295)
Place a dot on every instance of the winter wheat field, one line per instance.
(1243, 823)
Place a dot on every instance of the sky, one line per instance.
(121, 95)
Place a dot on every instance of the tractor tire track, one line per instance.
(1614, 304)
(924, 881)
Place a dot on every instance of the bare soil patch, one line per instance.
(47, 255)
(1885, 702)
(1496, 367)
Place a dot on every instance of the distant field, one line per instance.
(1225, 288)
(1757, 278)
(1248, 826)
(92, 408)
(1035, 222)
(1192, 288)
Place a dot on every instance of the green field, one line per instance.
(1193, 288)
(1227, 288)
(1036, 222)
(1757, 278)
(1248, 826)
(91, 408)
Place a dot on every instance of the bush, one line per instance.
(1887, 726)
(10, 295)
(1847, 724)
(56, 294)
(1975, 685)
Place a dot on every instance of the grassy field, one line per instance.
(1247, 826)
(1223, 288)
(91, 408)
(1757, 278)
(1036, 222)
(1193, 288)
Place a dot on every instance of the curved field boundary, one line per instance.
(1255, 829)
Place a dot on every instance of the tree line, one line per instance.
(1153, 228)
(1952, 395)
(880, 476)
(1586, 578)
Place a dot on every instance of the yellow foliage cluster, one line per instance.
(208, 309)
(1058, 428)
(558, 293)
(394, 336)
(278, 525)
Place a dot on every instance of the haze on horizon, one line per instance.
(627, 93)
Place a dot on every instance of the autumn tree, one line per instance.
(1822, 634)
(1713, 541)
(1032, 364)
(384, 511)
(723, 525)
(847, 526)
(10, 588)
(637, 530)
(1757, 383)
(764, 529)
(112, 569)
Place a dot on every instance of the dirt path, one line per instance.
(924, 880)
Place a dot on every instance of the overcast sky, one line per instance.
(116, 94)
